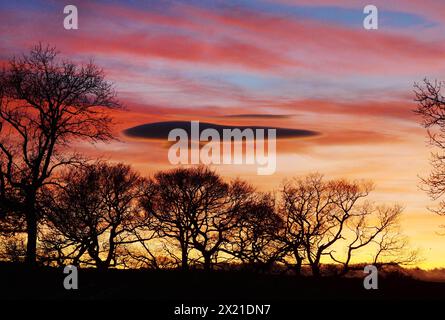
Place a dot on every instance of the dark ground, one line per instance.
(17, 282)
(158, 295)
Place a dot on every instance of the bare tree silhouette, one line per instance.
(316, 213)
(93, 212)
(323, 216)
(254, 240)
(220, 208)
(45, 104)
(196, 208)
(378, 229)
(431, 109)
(167, 203)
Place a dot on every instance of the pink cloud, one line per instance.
(431, 9)
(242, 39)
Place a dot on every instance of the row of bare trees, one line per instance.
(58, 208)
(107, 215)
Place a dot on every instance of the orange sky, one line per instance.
(309, 62)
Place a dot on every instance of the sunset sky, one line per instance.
(303, 64)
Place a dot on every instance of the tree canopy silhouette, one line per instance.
(196, 208)
(92, 212)
(431, 109)
(45, 104)
(255, 239)
(319, 215)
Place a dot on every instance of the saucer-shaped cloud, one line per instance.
(160, 130)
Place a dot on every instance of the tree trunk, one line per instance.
(102, 265)
(207, 262)
(184, 259)
(315, 267)
(94, 253)
(112, 248)
(31, 229)
(345, 270)
(346, 264)
(299, 262)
